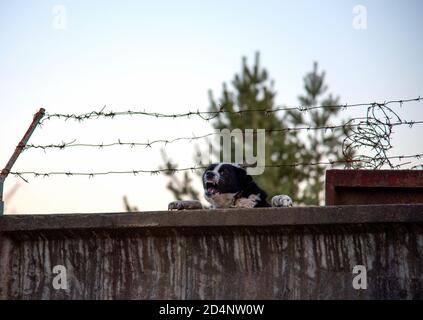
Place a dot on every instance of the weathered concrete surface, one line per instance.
(290, 253)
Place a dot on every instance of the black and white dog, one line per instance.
(228, 185)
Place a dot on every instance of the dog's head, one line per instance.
(222, 181)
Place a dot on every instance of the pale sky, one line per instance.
(163, 56)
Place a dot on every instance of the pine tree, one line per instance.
(181, 190)
(128, 206)
(253, 89)
(322, 145)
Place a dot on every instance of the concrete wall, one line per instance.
(289, 253)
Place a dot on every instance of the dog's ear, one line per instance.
(244, 178)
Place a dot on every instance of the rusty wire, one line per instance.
(360, 159)
(362, 123)
(209, 115)
(375, 136)
(371, 134)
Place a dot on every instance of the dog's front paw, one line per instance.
(185, 205)
(249, 202)
(281, 201)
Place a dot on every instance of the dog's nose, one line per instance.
(209, 175)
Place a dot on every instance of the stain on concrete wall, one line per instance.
(227, 262)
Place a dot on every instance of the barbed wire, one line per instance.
(373, 132)
(209, 115)
(363, 160)
(363, 122)
(375, 135)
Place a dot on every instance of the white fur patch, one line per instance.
(281, 201)
(249, 202)
(221, 200)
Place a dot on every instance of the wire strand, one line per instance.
(361, 159)
(348, 124)
(209, 115)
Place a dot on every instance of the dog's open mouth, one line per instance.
(211, 188)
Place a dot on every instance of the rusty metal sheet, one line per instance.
(352, 187)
